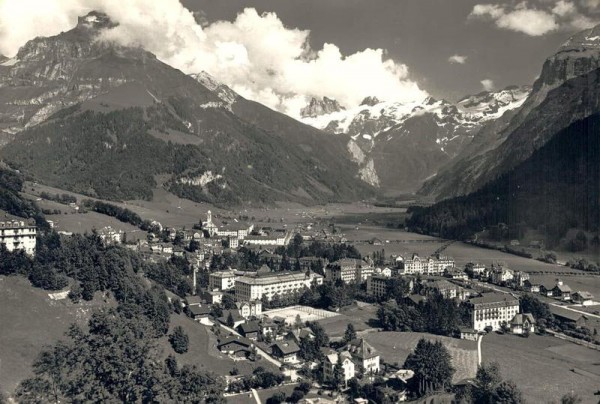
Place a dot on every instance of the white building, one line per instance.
(279, 239)
(18, 235)
(349, 270)
(331, 362)
(250, 309)
(235, 229)
(222, 280)
(249, 288)
(110, 236)
(427, 266)
(493, 309)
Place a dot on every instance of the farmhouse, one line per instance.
(492, 310)
(199, 312)
(569, 316)
(18, 235)
(557, 290)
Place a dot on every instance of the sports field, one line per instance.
(304, 312)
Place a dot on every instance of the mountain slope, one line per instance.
(556, 188)
(567, 90)
(124, 122)
(400, 145)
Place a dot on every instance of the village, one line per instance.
(289, 304)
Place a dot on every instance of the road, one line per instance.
(479, 339)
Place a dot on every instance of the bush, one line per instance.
(179, 340)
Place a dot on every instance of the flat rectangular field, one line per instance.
(545, 368)
(304, 312)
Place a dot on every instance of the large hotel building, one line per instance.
(18, 235)
(492, 309)
(249, 288)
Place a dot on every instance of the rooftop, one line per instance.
(494, 297)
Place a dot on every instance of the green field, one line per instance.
(542, 366)
(203, 351)
(394, 347)
(29, 319)
(361, 317)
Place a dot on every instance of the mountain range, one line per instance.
(114, 122)
(399, 145)
(564, 93)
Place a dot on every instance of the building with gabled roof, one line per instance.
(330, 362)
(364, 355)
(522, 323)
(287, 351)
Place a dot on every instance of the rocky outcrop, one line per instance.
(320, 107)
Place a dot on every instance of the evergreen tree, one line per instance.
(432, 365)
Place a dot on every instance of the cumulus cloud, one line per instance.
(256, 54)
(461, 60)
(488, 85)
(542, 18)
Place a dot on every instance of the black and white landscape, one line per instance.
(314, 201)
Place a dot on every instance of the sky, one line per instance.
(283, 52)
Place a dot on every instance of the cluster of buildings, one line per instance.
(18, 235)
(434, 265)
(239, 233)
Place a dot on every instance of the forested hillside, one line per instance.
(557, 188)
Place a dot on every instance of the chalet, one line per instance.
(519, 279)
(235, 345)
(249, 330)
(522, 323)
(199, 312)
(561, 291)
(193, 300)
(583, 298)
(212, 296)
(469, 334)
(286, 351)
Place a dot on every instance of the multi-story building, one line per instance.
(349, 270)
(377, 285)
(427, 266)
(492, 310)
(447, 289)
(500, 274)
(278, 239)
(222, 280)
(249, 288)
(235, 229)
(18, 235)
(364, 355)
(250, 309)
(331, 361)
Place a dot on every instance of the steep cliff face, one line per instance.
(566, 91)
(403, 144)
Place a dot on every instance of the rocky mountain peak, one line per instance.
(370, 101)
(318, 107)
(95, 20)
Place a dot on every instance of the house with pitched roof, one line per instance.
(364, 355)
(286, 351)
(584, 298)
(249, 330)
(522, 323)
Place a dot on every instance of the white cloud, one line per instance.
(488, 85)
(256, 54)
(532, 22)
(545, 17)
(461, 60)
